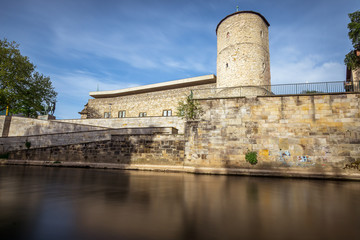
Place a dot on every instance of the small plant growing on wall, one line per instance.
(189, 109)
(27, 144)
(4, 155)
(251, 157)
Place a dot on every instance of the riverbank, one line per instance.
(286, 172)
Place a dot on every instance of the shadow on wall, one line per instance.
(121, 149)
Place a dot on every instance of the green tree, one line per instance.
(352, 60)
(190, 109)
(22, 89)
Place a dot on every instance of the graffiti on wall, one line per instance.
(285, 157)
(301, 161)
(304, 161)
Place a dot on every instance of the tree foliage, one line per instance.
(189, 109)
(22, 89)
(352, 60)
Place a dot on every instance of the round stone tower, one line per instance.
(243, 57)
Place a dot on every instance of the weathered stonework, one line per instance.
(300, 135)
(67, 138)
(121, 149)
(243, 50)
(290, 131)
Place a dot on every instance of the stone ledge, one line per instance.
(187, 82)
(274, 172)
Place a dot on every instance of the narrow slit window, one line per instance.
(122, 114)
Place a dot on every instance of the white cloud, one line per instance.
(307, 69)
(73, 91)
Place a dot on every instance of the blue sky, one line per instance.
(83, 44)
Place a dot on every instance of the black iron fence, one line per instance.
(279, 89)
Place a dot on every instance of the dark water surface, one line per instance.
(67, 203)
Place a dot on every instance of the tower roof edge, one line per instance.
(240, 12)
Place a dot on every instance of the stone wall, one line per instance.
(318, 133)
(153, 103)
(60, 139)
(127, 122)
(21, 126)
(123, 149)
(296, 131)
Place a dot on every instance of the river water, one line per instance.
(46, 203)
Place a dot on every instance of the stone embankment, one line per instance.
(313, 136)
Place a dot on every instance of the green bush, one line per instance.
(251, 157)
(27, 144)
(190, 109)
(4, 155)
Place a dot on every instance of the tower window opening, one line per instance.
(227, 35)
(122, 114)
(261, 34)
(227, 65)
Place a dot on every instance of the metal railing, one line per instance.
(278, 89)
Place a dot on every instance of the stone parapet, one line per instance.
(130, 122)
(22, 126)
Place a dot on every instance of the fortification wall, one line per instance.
(315, 131)
(304, 135)
(152, 103)
(21, 126)
(122, 149)
(127, 122)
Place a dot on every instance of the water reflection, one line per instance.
(59, 203)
